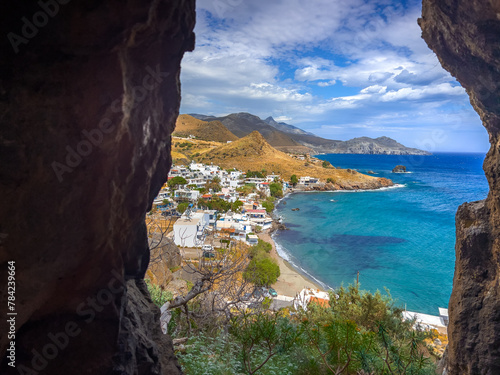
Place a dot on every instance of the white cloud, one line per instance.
(359, 62)
(409, 93)
(282, 119)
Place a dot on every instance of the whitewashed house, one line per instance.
(190, 229)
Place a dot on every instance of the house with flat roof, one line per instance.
(184, 194)
(190, 229)
(308, 296)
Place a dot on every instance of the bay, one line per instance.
(401, 238)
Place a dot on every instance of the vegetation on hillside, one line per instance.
(262, 269)
(358, 333)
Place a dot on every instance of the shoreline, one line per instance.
(291, 281)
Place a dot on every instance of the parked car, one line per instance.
(265, 292)
(273, 292)
(208, 254)
(207, 248)
(257, 293)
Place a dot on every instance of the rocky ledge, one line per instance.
(465, 36)
(89, 97)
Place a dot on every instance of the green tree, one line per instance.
(246, 189)
(263, 336)
(176, 181)
(254, 174)
(360, 331)
(213, 185)
(181, 207)
(276, 189)
(269, 206)
(261, 249)
(262, 271)
(326, 164)
(294, 180)
(236, 206)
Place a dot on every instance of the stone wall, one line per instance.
(89, 95)
(465, 35)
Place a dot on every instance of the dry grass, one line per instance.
(254, 153)
(209, 131)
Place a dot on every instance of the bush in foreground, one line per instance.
(359, 333)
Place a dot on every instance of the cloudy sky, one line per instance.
(337, 68)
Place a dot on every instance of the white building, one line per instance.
(190, 229)
(162, 195)
(272, 177)
(308, 295)
(253, 239)
(427, 321)
(191, 195)
(306, 181)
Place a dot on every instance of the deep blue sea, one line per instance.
(401, 238)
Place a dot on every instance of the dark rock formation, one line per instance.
(164, 257)
(89, 95)
(465, 34)
(399, 169)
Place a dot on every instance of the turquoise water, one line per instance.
(401, 238)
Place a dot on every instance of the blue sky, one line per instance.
(337, 68)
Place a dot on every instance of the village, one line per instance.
(209, 207)
(212, 200)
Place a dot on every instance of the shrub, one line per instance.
(158, 295)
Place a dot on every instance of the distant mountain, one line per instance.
(202, 117)
(241, 124)
(381, 145)
(284, 127)
(207, 130)
(289, 138)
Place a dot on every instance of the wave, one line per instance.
(287, 257)
(395, 186)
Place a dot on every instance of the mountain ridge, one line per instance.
(289, 138)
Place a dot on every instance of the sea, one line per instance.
(400, 239)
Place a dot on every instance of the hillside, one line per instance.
(187, 125)
(253, 152)
(242, 124)
(289, 138)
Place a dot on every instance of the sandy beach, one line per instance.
(290, 282)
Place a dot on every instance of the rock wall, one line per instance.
(89, 95)
(465, 35)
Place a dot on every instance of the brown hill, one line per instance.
(243, 124)
(254, 153)
(187, 125)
